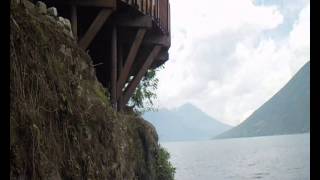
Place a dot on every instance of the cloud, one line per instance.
(299, 38)
(222, 59)
(213, 16)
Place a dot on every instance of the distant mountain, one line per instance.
(287, 112)
(184, 123)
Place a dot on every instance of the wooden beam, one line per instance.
(163, 40)
(140, 21)
(74, 22)
(130, 58)
(93, 3)
(114, 68)
(94, 28)
(98, 3)
(163, 55)
(134, 83)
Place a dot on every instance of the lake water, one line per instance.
(285, 157)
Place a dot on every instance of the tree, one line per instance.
(143, 98)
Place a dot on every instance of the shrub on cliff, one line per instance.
(165, 170)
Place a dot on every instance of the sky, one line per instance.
(228, 57)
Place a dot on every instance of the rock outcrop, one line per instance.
(61, 123)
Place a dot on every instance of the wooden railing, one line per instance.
(159, 10)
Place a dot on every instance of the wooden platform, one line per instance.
(127, 37)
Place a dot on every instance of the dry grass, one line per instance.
(61, 123)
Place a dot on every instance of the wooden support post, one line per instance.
(129, 61)
(120, 59)
(158, 6)
(94, 28)
(132, 86)
(120, 67)
(74, 22)
(114, 68)
(147, 7)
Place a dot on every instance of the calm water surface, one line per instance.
(285, 157)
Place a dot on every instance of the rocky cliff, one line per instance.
(61, 123)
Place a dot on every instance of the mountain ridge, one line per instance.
(286, 112)
(186, 122)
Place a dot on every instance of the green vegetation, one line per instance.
(165, 170)
(144, 95)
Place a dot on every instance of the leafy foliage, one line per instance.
(143, 98)
(165, 170)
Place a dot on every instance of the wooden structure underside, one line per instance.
(125, 37)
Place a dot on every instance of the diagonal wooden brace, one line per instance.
(134, 83)
(94, 28)
(130, 59)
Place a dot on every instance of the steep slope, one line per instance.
(287, 112)
(61, 123)
(184, 123)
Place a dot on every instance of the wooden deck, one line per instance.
(159, 10)
(127, 37)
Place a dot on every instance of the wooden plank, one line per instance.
(140, 21)
(129, 61)
(94, 28)
(134, 83)
(74, 21)
(114, 68)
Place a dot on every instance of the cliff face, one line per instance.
(61, 124)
